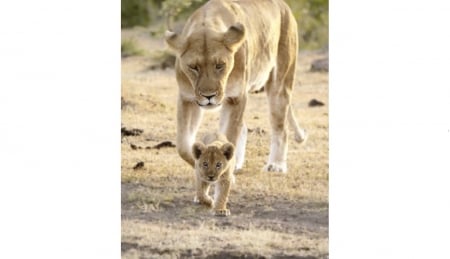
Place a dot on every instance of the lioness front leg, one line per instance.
(189, 116)
(233, 126)
(221, 192)
(202, 196)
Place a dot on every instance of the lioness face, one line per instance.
(211, 161)
(207, 66)
(206, 58)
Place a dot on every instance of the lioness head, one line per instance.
(206, 57)
(211, 161)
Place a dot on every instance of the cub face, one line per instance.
(211, 162)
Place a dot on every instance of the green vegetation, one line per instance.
(135, 12)
(179, 9)
(312, 16)
(150, 12)
(312, 19)
(129, 48)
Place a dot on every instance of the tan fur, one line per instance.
(226, 49)
(214, 165)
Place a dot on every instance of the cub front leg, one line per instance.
(222, 190)
(202, 196)
(189, 116)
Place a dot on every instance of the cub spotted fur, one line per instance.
(225, 50)
(214, 165)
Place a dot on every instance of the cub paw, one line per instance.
(222, 213)
(207, 202)
(273, 167)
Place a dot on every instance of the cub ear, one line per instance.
(228, 150)
(197, 149)
(234, 37)
(173, 40)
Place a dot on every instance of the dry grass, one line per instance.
(209, 235)
(272, 214)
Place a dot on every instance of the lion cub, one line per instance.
(214, 165)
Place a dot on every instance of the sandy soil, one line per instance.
(273, 215)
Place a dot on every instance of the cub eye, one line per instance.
(194, 68)
(218, 165)
(205, 164)
(220, 66)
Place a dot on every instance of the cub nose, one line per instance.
(211, 178)
(209, 95)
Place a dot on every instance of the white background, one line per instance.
(389, 129)
(60, 120)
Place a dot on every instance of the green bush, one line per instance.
(312, 19)
(148, 12)
(129, 48)
(134, 12)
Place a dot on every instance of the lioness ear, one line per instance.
(234, 37)
(197, 149)
(173, 40)
(228, 150)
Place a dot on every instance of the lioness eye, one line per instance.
(218, 165)
(205, 164)
(219, 66)
(193, 67)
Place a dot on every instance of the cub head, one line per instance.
(212, 161)
(206, 58)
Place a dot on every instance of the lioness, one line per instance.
(226, 49)
(214, 165)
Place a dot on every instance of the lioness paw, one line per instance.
(273, 167)
(222, 213)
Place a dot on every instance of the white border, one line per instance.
(389, 129)
(59, 124)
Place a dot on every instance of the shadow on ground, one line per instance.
(160, 204)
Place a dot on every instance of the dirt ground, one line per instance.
(272, 215)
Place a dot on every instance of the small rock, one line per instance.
(139, 165)
(164, 144)
(315, 103)
(131, 132)
(320, 65)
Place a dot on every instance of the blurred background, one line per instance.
(154, 16)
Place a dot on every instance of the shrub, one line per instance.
(129, 48)
(312, 19)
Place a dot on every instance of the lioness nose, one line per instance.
(211, 177)
(209, 95)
